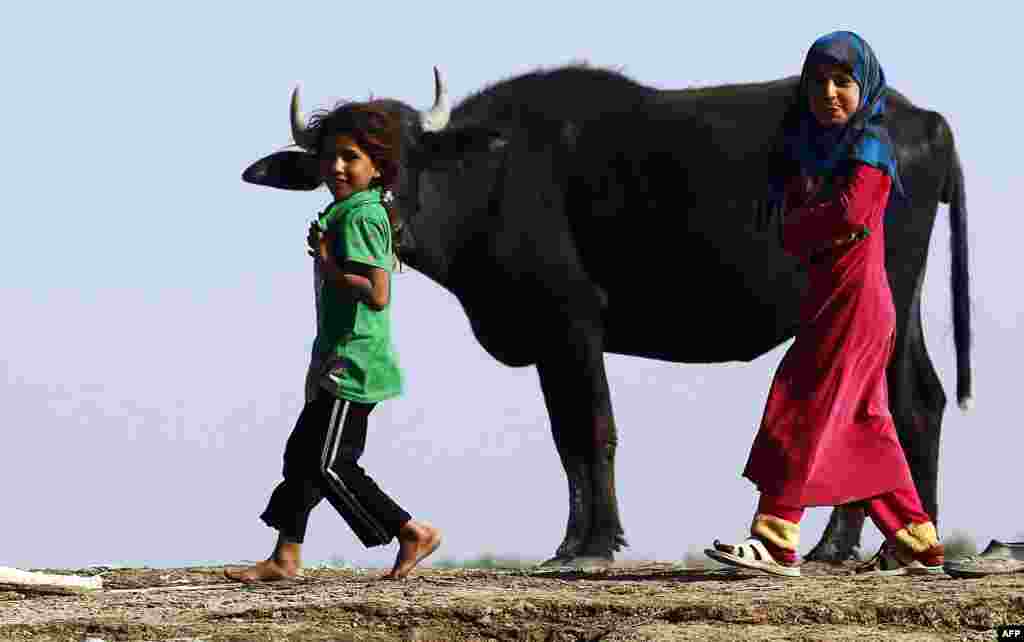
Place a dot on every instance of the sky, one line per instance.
(158, 313)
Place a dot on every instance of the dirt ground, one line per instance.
(629, 602)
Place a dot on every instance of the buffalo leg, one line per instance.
(575, 387)
(572, 453)
(841, 539)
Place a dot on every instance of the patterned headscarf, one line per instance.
(819, 151)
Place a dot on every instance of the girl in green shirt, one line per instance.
(353, 366)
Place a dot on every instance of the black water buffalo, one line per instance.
(574, 212)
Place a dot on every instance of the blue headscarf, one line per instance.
(819, 151)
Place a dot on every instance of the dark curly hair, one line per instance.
(378, 132)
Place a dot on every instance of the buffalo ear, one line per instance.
(285, 170)
(452, 144)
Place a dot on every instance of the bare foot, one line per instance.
(266, 571)
(416, 541)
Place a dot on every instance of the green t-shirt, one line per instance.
(353, 350)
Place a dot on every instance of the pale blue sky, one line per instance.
(158, 311)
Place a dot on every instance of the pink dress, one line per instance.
(827, 437)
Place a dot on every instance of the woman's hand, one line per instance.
(853, 237)
(812, 184)
(812, 187)
(800, 190)
(841, 241)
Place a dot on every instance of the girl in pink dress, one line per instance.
(827, 437)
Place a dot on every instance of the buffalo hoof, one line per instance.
(578, 564)
(592, 562)
(833, 554)
(555, 562)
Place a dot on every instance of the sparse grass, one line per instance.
(697, 560)
(958, 544)
(486, 561)
(335, 562)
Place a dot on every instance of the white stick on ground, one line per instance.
(18, 580)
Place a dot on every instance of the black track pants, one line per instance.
(321, 460)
